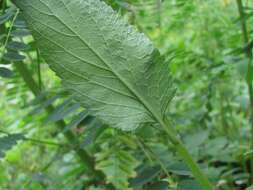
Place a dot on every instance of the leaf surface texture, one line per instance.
(112, 69)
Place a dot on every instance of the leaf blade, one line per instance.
(113, 70)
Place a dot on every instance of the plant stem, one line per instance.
(242, 20)
(10, 29)
(39, 69)
(158, 8)
(248, 53)
(200, 177)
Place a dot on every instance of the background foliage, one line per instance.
(56, 144)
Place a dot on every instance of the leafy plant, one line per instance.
(110, 68)
(71, 141)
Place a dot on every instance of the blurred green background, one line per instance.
(211, 64)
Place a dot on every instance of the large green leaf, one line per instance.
(110, 68)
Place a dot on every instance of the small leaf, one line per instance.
(20, 24)
(242, 67)
(214, 146)
(5, 62)
(20, 33)
(196, 139)
(145, 176)
(162, 185)
(13, 56)
(7, 142)
(180, 168)
(118, 165)
(44, 104)
(5, 73)
(62, 111)
(189, 185)
(7, 16)
(92, 132)
(17, 46)
(4, 18)
(76, 120)
(2, 37)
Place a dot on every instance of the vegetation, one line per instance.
(152, 95)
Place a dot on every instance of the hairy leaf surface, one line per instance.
(113, 70)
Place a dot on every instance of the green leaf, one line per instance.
(7, 15)
(92, 131)
(162, 185)
(44, 104)
(215, 146)
(2, 38)
(20, 33)
(17, 46)
(5, 62)
(112, 70)
(180, 168)
(145, 176)
(7, 142)
(189, 185)
(20, 24)
(5, 73)
(193, 141)
(13, 56)
(118, 165)
(63, 110)
(76, 120)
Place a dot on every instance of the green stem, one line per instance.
(242, 20)
(200, 177)
(39, 69)
(10, 29)
(159, 16)
(248, 53)
(196, 171)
